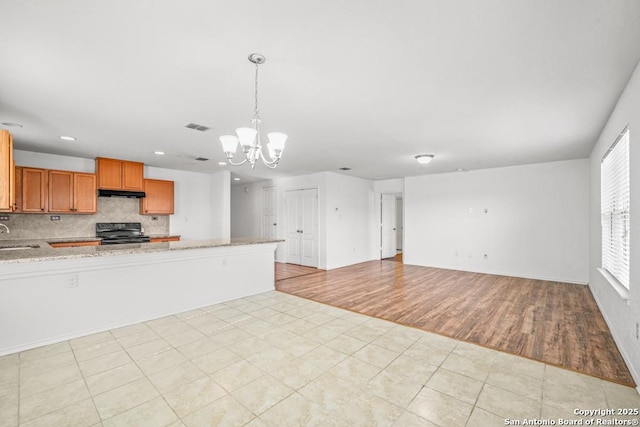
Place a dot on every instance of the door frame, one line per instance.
(398, 194)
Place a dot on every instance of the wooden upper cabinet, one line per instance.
(84, 193)
(34, 190)
(18, 204)
(60, 191)
(114, 174)
(159, 197)
(132, 176)
(72, 192)
(7, 173)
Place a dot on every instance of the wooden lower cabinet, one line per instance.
(165, 239)
(74, 244)
(159, 197)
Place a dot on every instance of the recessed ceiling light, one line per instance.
(222, 163)
(11, 125)
(68, 138)
(345, 169)
(159, 153)
(236, 179)
(424, 158)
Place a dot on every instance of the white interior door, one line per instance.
(309, 228)
(294, 237)
(399, 224)
(302, 227)
(269, 213)
(388, 226)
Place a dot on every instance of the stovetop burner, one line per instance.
(114, 233)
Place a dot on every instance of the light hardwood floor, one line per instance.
(556, 323)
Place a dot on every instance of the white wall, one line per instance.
(220, 205)
(536, 225)
(201, 200)
(349, 206)
(54, 161)
(344, 236)
(246, 209)
(191, 218)
(622, 316)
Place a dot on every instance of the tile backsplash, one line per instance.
(114, 209)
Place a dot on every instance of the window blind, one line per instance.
(615, 201)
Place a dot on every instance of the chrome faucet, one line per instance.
(5, 227)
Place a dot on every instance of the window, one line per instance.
(614, 185)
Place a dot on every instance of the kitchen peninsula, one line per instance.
(54, 294)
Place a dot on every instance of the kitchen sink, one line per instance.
(18, 248)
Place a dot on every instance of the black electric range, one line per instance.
(118, 233)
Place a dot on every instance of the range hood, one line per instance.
(122, 193)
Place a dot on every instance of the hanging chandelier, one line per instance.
(249, 137)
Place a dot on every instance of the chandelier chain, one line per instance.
(255, 110)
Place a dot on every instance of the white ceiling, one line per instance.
(366, 84)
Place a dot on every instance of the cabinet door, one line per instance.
(18, 204)
(84, 193)
(159, 200)
(165, 239)
(74, 244)
(7, 172)
(60, 191)
(109, 173)
(132, 176)
(34, 190)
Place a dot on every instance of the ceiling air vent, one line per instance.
(196, 126)
(202, 159)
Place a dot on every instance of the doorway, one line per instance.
(302, 227)
(392, 227)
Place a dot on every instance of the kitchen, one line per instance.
(78, 282)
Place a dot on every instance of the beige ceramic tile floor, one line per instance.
(277, 360)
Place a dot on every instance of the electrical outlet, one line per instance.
(73, 281)
(154, 218)
(638, 330)
(55, 217)
(4, 217)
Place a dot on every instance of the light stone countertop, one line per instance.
(46, 253)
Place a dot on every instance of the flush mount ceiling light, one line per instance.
(67, 138)
(249, 138)
(11, 125)
(423, 159)
(159, 153)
